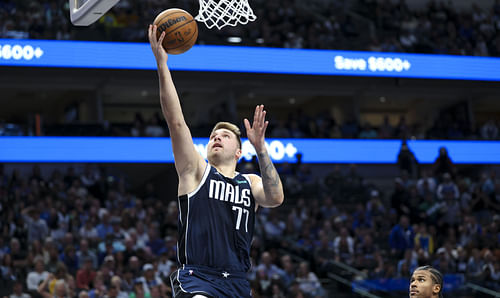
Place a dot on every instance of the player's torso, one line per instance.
(216, 222)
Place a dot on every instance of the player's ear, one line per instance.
(239, 152)
(436, 289)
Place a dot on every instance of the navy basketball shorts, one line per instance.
(191, 280)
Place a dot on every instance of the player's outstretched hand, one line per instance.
(156, 45)
(256, 132)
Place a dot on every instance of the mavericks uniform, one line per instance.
(216, 223)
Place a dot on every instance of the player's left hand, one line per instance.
(156, 45)
(256, 132)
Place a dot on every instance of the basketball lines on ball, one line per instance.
(175, 29)
(186, 43)
(166, 16)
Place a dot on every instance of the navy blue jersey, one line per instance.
(216, 223)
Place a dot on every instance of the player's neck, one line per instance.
(228, 170)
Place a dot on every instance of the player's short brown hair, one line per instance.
(231, 127)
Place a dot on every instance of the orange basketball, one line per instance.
(180, 27)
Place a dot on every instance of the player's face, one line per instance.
(422, 286)
(223, 144)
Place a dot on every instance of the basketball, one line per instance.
(181, 30)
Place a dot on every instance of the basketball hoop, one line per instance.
(220, 13)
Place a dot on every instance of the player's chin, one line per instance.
(214, 152)
(213, 156)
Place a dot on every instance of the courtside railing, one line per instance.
(481, 289)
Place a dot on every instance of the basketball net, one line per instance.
(221, 13)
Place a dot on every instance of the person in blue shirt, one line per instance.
(401, 237)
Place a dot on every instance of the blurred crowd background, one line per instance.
(368, 25)
(85, 232)
(89, 230)
(296, 124)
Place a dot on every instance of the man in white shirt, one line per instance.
(37, 276)
(149, 279)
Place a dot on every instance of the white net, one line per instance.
(220, 13)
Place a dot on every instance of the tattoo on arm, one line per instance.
(270, 178)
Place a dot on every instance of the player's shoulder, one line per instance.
(253, 178)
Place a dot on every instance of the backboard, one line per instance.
(86, 12)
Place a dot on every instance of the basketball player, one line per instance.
(426, 282)
(216, 204)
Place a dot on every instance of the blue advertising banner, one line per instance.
(159, 150)
(114, 55)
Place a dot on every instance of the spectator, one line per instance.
(137, 129)
(85, 275)
(424, 240)
(308, 281)
(165, 266)
(268, 269)
(155, 243)
(443, 163)
(408, 264)
(328, 209)
(89, 177)
(399, 198)
(116, 282)
(344, 247)
(374, 207)
(489, 131)
(406, 160)
(85, 253)
(401, 236)
(60, 289)
(149, 280)
(98, 286)
(18, 256)
(38, 275)
(447, 188)
(443, 262)
(104, 228)
(88, 231)
(69, 258)
(153, 128)
(469, 231)
(426, 184)
(386, 130)
(366, 253)
(288, 271)
(324, 253)
(37, 227)
(274, 227)
(452, 213)
(368, 132)
(17, 291)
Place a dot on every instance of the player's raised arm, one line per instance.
(267, 190)
(188, 163)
